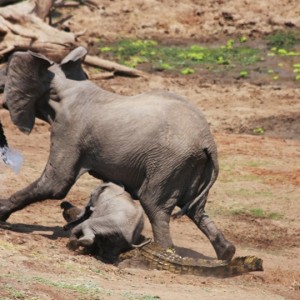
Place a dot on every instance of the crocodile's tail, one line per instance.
(221, 268)
(244, 264)
(164, 259)
(213, 166)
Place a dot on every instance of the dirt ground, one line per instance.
(258, 173)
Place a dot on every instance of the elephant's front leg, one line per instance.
(55, 182)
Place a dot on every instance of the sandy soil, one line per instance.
(257, 172)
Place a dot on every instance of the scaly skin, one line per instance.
(159, 258)
(155, 256)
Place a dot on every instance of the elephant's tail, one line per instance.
(213, 167)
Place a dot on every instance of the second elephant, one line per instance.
(110, 220)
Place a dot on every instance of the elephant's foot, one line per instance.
(86, 241)
(224, 250)
(72, 244)
(4, 210)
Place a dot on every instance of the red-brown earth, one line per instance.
(255, 200)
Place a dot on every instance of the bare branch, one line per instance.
(112, 66)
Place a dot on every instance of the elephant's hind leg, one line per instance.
(163, 191)
(88, 235)
(158, 211)
(225, 250)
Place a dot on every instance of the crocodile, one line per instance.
(153, 256)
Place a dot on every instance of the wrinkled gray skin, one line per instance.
(157, 144)
(114, 217)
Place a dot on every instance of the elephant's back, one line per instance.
(129, 137)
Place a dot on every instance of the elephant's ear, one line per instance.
(71, 64)
(27, 81)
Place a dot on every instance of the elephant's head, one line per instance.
(28, 85)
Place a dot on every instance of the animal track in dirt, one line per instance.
(281, 126)
(262, 233)
(231, 106)
(275, 177)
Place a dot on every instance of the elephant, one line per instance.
(158, 145)
(110, 220)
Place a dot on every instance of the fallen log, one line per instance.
(112, 66)
(22, 28)
(102, 75)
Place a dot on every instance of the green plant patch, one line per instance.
(269, 59)
(183, 59)
(258, 163)
(14, 293)
(81, 288)
(187, 71)
(259, 130)
(283, 39)
(275, 216)
(244, 73)
(258, 213)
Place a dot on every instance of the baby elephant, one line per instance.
(111, 221)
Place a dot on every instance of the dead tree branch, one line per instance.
(112, 66)
(22, 27)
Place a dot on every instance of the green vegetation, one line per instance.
(297, 71)
(231, 170)
(136, 52)
(83, 288)
(256, 213)
(13, 293)
(243, 56)
(187, 71)
(259, 163)
(283, 39)
(258, 130)
(244, 73)
(282, 52)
